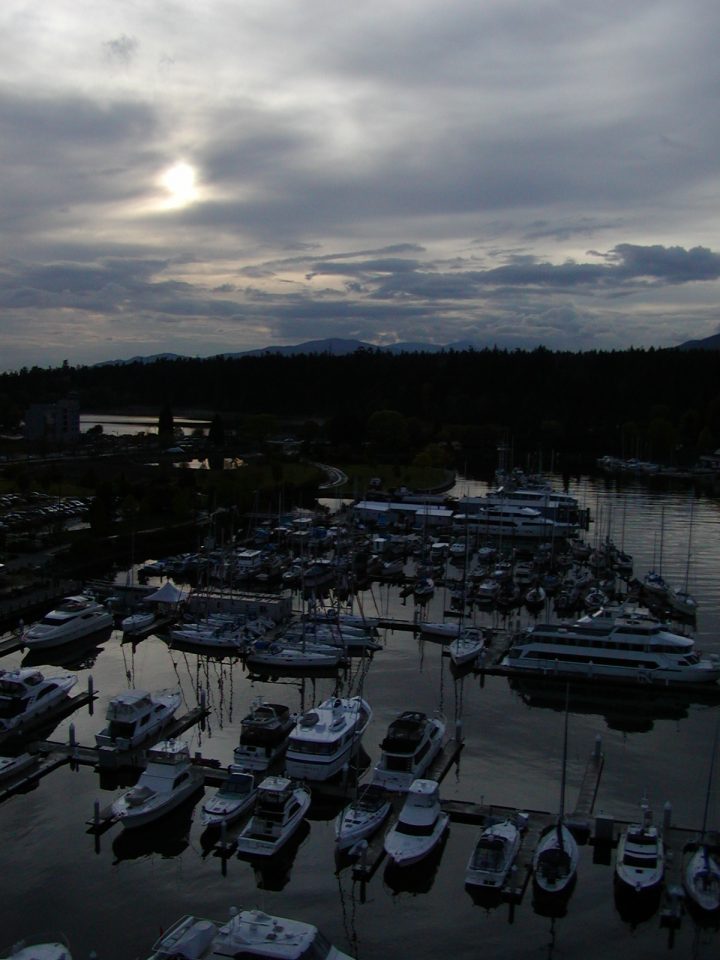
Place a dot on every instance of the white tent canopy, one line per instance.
(168, 593)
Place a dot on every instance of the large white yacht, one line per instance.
(412, 742)
(326, 738)
(134, 716)
(640, 863)
(169, 778)
(420, 826)
(77, 616)
(264, 733)
(26, 694)
(250, 934)
(616, 642)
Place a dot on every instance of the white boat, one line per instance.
(272, 655)
(420, 825)
(640, 861)
(26, 694)
(493, 855)
(617, 642)
(444, 630)
(13, 767)
(264, 733)
(555, 861)
(467, 646)
(231, 800)
(250, 934)
(362, 817)
(76, 617)
(280, 807)
(701, 877)
(38, 948)
(412, 742)
(169, 778)
(134, 716)
(138, 622)
(211, 635)
(326, 738)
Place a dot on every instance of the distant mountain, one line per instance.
(707, 343)
(336, 346)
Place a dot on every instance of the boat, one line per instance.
(493, 854)
(26, 694)
(467, 646)
(420, 826)
(139, 622)
(701, 869)
(76, 617)
(231, 800)
(273, 655)
(618, 642)
(442, 630)
(250, 934)
(169, 778)
(640, 861)
(280, 807)
(556, 856)
(264, 733)
(412, 742)
(326, 738)
(362, 817)
(134, 716)
(13, 767)
(38, 948)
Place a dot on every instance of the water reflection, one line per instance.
(79, 654)
(273, 873)
(169, 837)
(418, 877)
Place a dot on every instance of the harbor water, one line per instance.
(114, 893)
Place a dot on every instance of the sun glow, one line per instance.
(179, 181)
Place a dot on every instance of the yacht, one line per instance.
(168, 779)
(280, 807)
(273, 655)
(362, 817)
(412, 742)
(616, 642)
(467, 646)
(231, 800)
(134, 716)
(264, 733)
(26, 694)
(250, 934)
(493, 855)
(514, 521)
(420, 826)
(326, 738)
(77, 616)
(640, 862)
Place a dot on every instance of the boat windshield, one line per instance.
(11, 707)
(415, 829)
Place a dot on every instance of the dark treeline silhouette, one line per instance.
(661, 404)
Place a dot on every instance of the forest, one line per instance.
(655, 404)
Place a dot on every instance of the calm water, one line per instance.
(115, 896)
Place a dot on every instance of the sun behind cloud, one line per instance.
(180, 182)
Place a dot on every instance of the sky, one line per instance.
(201, 178)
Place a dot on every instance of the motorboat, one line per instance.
(26, 694)
(280, 807)
(618, 642)
(493, 854)
(555, 861)
(250, 934)
(640, 860)
(76, 617)
(231, 800)
(701, 876)
(412, 742)
(264, 733)
(138, 622)
(467, 646)
(169, 778)
(39, 948)
(326, 738)
(134, 716)
(362, 817)
(420, 825)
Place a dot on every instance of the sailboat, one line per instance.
(701, 873)
(556, 855)
(680, 599)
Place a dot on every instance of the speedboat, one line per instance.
(701, 877)
(134, 716)
(362, 817)
(77, 616)
(555, 861)
(231, 800)
(493, 855)
(326, 738)
(420, 825)
(467, 646)
(249, 933)
(169, 778)
(412, 742)
(640, 861)
(25, 695)
(280, 806)
(264, 733)
(617, 642)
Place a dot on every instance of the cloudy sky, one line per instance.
(202, 177)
